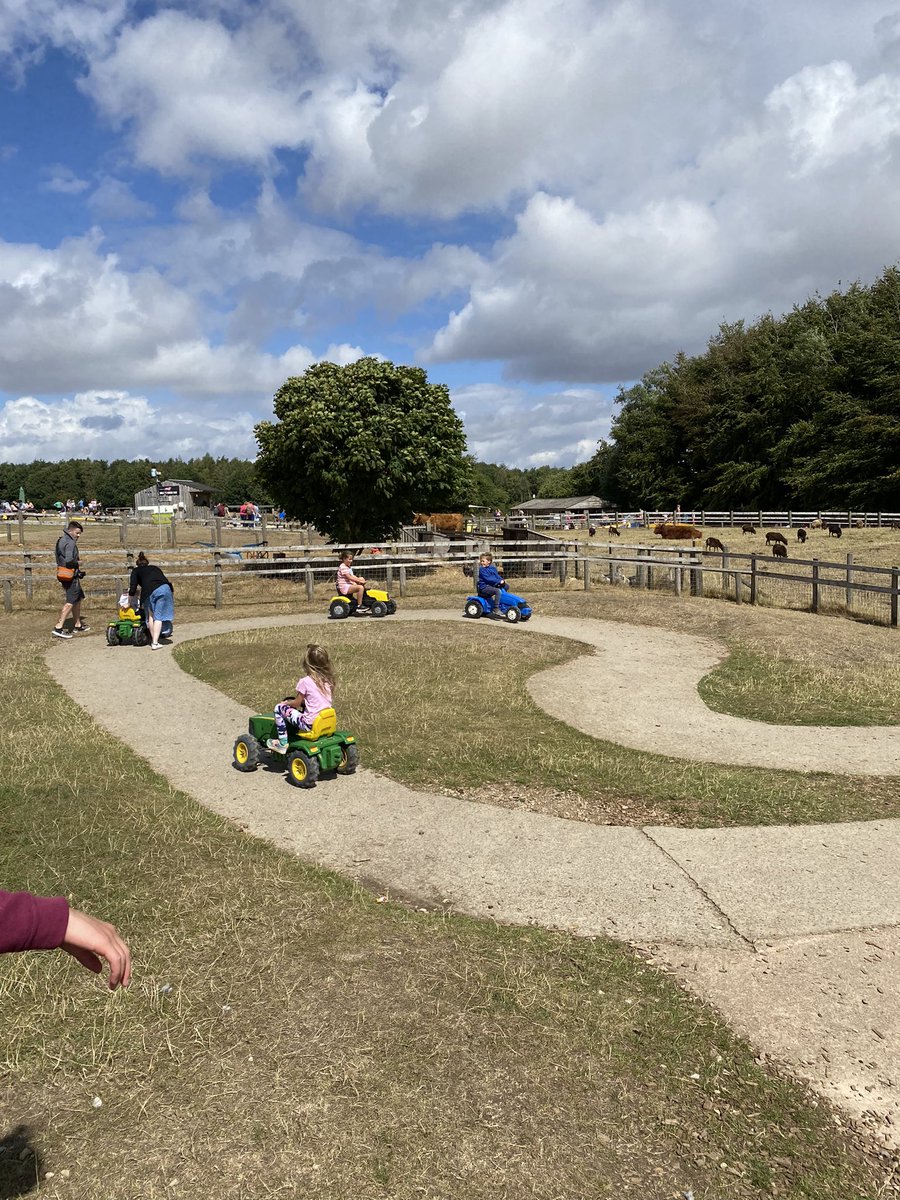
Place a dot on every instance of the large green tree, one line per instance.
(357, 449)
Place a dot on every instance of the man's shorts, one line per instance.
(74, 591)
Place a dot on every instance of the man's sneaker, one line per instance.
(81, 629)
(61, 633)
(276, 744)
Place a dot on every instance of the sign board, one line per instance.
(166, 489)
(161, 518)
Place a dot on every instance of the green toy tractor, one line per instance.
(322, 749)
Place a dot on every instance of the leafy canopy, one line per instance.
(357, 449)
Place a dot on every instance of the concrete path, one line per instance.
(773, 925)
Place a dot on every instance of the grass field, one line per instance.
(479, 735)
(286, 1035)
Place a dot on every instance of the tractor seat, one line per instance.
(324, 724)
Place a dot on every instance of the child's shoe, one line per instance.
(276, 744)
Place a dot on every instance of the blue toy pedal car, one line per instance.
(512, 608)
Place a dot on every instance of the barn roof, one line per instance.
(563, 504)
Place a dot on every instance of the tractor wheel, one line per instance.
(303, 771)
(392, 607)
(512, 615)
(246, 753)
(473, 609)
(338, 609)
(379, 608)
(112, 635)
(141, 636)
(349, 760)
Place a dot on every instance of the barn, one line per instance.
(182, 497)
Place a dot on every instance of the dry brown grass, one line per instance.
(286, 1035)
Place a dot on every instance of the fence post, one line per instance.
(759, 520)
(218, 578)
(218, 533)
(563, 571)
(310, 582)
(586, 574)
(29, 582)
(389, 575)
(7, 596)
(172, 538)
(677, 575)
(263, 528)
(123, 529)
(879, 520)
(753, 580)
(738, 588)
(815, 585)
(895, 583)
(848, 594)
(8, 525)
(21, 529)
(402, 574)
(696, 573)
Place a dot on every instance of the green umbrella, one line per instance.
(21, 495)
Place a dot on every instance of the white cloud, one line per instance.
(192, 87)
(63, 180)
(506, 425)
(117, 424)
(113, 200)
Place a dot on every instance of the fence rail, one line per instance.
(813, 584)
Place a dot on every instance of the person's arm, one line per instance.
(31, 922)
(89, 941)
(133, 584)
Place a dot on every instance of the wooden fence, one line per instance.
(817, 585)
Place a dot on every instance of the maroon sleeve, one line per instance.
(32, 922)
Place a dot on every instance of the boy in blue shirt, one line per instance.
(490, 583)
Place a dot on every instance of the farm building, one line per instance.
(556, 511)
(184, 497)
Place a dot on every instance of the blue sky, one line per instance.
(535, 202)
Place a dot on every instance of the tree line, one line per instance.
(114, 483)
(797, 411)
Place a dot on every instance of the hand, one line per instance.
(89, 940)
(79, 574)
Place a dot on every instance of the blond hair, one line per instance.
(317, 664)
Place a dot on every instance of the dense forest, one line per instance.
(802, 410)
(114, 484)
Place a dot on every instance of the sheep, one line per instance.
(779, 550)
(816, 524)
(614, 531)
(834, 531)
(748, 529)
(801, 535)
(774, 536)
(714, 544)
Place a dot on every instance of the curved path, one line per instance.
(771, 924)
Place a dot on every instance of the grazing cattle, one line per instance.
(834, 531)
(440, 522)
(714, 544)
(779, 550)
(801, 535)
(774, 536)
(672, 532)
(748, 529)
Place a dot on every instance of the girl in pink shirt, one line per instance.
(314, 693)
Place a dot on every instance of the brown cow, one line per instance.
(774, 536)
(441, 522)
(714, 544)
(779, 550)
(801, 535)
(672, 532)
